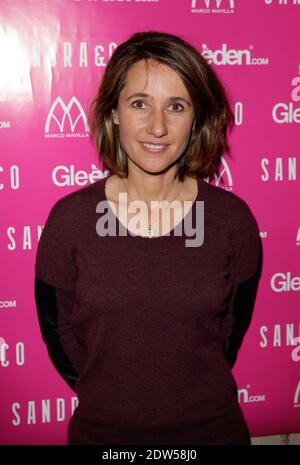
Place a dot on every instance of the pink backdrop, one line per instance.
(52, 56)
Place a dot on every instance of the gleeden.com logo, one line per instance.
(245, 396)
(68, 175)
(63, 119)
(281, 282)
(226, 56)
(179, 212)
(296, 350)
(289, 112)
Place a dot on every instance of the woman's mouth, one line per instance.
(154, 148)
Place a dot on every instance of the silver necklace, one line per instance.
(148, 231)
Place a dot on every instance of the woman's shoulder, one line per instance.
(223, 197)
(230, 208)
(78, 201)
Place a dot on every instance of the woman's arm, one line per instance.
(238, 317)
(57, 334)
(244, 274)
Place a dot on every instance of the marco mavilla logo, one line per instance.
(213, 6)
(297, 396)
(66, 120)
(298, 237)
(223, 178)
(230, 56)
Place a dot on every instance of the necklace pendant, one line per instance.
(149, 232)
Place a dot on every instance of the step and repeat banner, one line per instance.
(52, 56)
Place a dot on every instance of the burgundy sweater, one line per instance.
(146, 331)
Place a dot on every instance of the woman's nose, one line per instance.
(157, 124)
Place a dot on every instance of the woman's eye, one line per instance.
(178, 105)
(138, 102)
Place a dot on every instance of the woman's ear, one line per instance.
(115, 117)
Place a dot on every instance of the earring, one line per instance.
(112, 115)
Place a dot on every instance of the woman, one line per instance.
(144, 326)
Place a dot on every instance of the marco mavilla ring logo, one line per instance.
(72, 112)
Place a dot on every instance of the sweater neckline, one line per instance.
(170, 233)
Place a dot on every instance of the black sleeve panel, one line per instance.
(47, 311)
(237, 320)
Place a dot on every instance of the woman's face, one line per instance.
(162, 114)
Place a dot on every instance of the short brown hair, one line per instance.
(213, 115)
